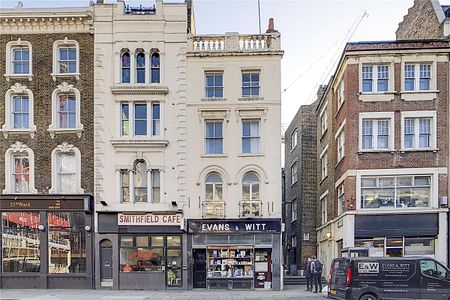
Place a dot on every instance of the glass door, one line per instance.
(174, 268)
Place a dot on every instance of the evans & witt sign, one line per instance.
(262, 225)
(149, 219)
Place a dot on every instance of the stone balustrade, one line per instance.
(234, 42)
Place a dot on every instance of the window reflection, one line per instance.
(20, 242)
(66, 243)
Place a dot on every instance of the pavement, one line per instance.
(290, 292)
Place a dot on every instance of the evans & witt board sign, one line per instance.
(255, 226)
(149, 220)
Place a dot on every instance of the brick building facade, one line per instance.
(389, 126)
(300, 187)
(46, 147)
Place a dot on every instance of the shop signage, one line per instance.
(45, 204)
(150, 219)
(255, 226)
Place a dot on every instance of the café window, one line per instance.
(150, 253)
(66, 242)
(395, 192)
(20, 241)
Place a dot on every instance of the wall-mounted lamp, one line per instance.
(328, 235)
(174, 203)
(87, 228)
(41, 227)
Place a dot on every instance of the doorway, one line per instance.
(106, 264)
(199, 269)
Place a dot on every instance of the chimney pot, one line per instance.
(271, 27)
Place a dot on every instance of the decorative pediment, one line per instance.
(65, 87)
(18, 88)
(18, 147)
(65, 147)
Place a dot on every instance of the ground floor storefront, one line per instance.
(385, 235)
(46, 242)
(140, 251)
(235, 254)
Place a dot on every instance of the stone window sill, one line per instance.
(9, 76)
(143, 142)
(11, 131)
(54, 131)
(419, 95)
(377, 96)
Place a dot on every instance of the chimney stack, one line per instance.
(271, 27)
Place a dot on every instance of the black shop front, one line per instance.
(46, 241)
(235, 254)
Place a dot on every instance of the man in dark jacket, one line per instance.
(308, 276)
(316, 273)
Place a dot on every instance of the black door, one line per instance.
(106, 262)
(199, 269)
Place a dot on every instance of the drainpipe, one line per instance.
(448, 158)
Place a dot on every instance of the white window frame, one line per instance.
(416, 115)
(341, 198)
(131, 119)
(250, 137)
(377, 116)
(375, 77)
(324, 162)
(294, 178)
(215, 73)
(323, 120)
(65, 88)
(9, 72)
(18, 148)
(324, 209)
(150, 170)
(65, 148)
(416, 94)
(294, 210)
(259, 83)
(433, 172)
(341, 94)
(8, 128)
(294, 139)
(206, 138)
(417, 76)
(306, 236)
(62, 44)
(340, 141)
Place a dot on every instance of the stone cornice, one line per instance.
(144, 89)
(29, 21)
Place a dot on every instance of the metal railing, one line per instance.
(213, 209)
(251, 208)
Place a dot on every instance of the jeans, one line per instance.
(309, 282)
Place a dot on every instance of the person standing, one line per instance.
(316, 272)
(308, 274)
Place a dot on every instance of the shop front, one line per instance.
(46, 241)
(235, 254)
(140, 251)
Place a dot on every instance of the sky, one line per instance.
(313, 32)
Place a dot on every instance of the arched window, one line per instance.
(140, 67)
(125, 65)
(250, 187)
(140, 181)
(66, 170)
(214, 188)
(155, 76)
(251, 204)
(66, 110)
(19, 170)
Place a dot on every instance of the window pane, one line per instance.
(140, 182)
(66, 243)
(141, 259)
(157, 241)
(173, 241)
(21, 242)
(409, 84)
(419, 246)
(142, 241)
(156, 187)
(377, 198)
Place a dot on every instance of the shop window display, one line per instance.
(66, 242)
(230, 262)
(20, 242)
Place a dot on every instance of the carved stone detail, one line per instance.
(18, 88)
(18, 147)
(65, 147)
(65, 87)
